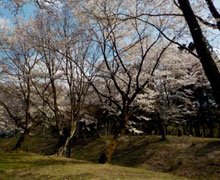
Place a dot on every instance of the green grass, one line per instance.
(28, 166)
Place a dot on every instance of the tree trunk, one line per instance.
(63, 148)
(197, 129)
(179, 132)
(184, 129)
(160, 127)
(113, 144)
(21, 140)
(214, 12)
(191, 128)
(166, 129)
(69, 148)
(211, 129)
(208, 63)
(162, 131)
(219, 130)
(204, 130)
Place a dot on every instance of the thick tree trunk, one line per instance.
(208, 63)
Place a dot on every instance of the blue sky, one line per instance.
(217, 3)
(28, 10)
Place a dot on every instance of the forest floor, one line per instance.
(26, 166)
(194, 158)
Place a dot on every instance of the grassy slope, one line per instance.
(40, 145)
(197, 158)
(26, 166)
(191, 157)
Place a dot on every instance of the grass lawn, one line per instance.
(27, 166)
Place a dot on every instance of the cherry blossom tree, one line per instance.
(130, 54)
(68, 65)
(18, 60)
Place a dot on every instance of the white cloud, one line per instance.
(53, 3)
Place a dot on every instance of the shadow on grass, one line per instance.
(53, 162)
(210, 147)
(90, 151)
(134, 154)
(12, 160)
(79, 176)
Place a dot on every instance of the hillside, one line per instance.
(197, 158)
(31, 166)
(191, 157)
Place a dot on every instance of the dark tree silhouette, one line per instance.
(214, 12)
(210, 68)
